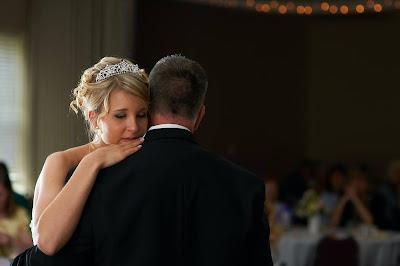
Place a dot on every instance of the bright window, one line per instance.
(11, 107)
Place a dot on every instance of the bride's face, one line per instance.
(126, 119)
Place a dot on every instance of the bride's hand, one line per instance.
(113, 153)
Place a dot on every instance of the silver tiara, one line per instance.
(120, 68)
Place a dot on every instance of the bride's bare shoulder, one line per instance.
(70, 157)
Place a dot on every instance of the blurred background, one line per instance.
(286, 83)
(304, 93)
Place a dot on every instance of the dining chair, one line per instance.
(333, 251)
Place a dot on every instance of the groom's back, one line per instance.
(173, 203)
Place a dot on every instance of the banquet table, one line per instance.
(4, 261)
(297, 247)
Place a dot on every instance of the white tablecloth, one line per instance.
(297, 247)
(4, 262)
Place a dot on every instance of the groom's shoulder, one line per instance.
(225, 166)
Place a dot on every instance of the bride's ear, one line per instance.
(92, 118)
(200, 116)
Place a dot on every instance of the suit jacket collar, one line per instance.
(169, 133)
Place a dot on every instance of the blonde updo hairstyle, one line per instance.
(92, 96)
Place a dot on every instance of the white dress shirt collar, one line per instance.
(168, 126)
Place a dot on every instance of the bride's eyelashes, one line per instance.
(123, 116)
(142, 115)
(120, 116)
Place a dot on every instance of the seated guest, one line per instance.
(335, 181)
(14, 221)
(18, 198)
(352, 208)
(386, 201)
(277, 212)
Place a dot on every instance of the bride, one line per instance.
(113, 97)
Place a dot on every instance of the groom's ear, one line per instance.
(200, 116)
(149, 121)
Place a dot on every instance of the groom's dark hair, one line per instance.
(178, 86)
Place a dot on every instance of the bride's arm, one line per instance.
(58, 208)
(50, 182)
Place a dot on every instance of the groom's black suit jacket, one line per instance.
(172, 203)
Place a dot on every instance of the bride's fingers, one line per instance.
(132, 149)
(131, 144)
(134, 142)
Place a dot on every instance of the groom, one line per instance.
(172, 203)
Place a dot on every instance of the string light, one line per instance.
(325, 6)
(265, 8)
(333, 9)
(344, 10)
(250, 3)
(310, 7)
(360, 9)
(378, 8)
(300, 10)
(282, 9)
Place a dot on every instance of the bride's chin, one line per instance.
(122, 141)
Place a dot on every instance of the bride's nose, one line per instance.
(132, 125)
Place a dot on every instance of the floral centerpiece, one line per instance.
(309, 204)
(310, 207)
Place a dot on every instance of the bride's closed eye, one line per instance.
(120, 116)
(142, 115)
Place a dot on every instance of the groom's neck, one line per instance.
(159, 119)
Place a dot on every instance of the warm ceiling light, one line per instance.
(378, 7)
(333, 9)
(360, 9)
(265, 8)
(325, 6)
(308, 10)
(344, 9)
(300, 10)
(282, 9)
(250, 3)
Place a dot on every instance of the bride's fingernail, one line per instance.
(139, 146)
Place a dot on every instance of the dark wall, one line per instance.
(13, 16)
(354, 89)
(257, 68)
